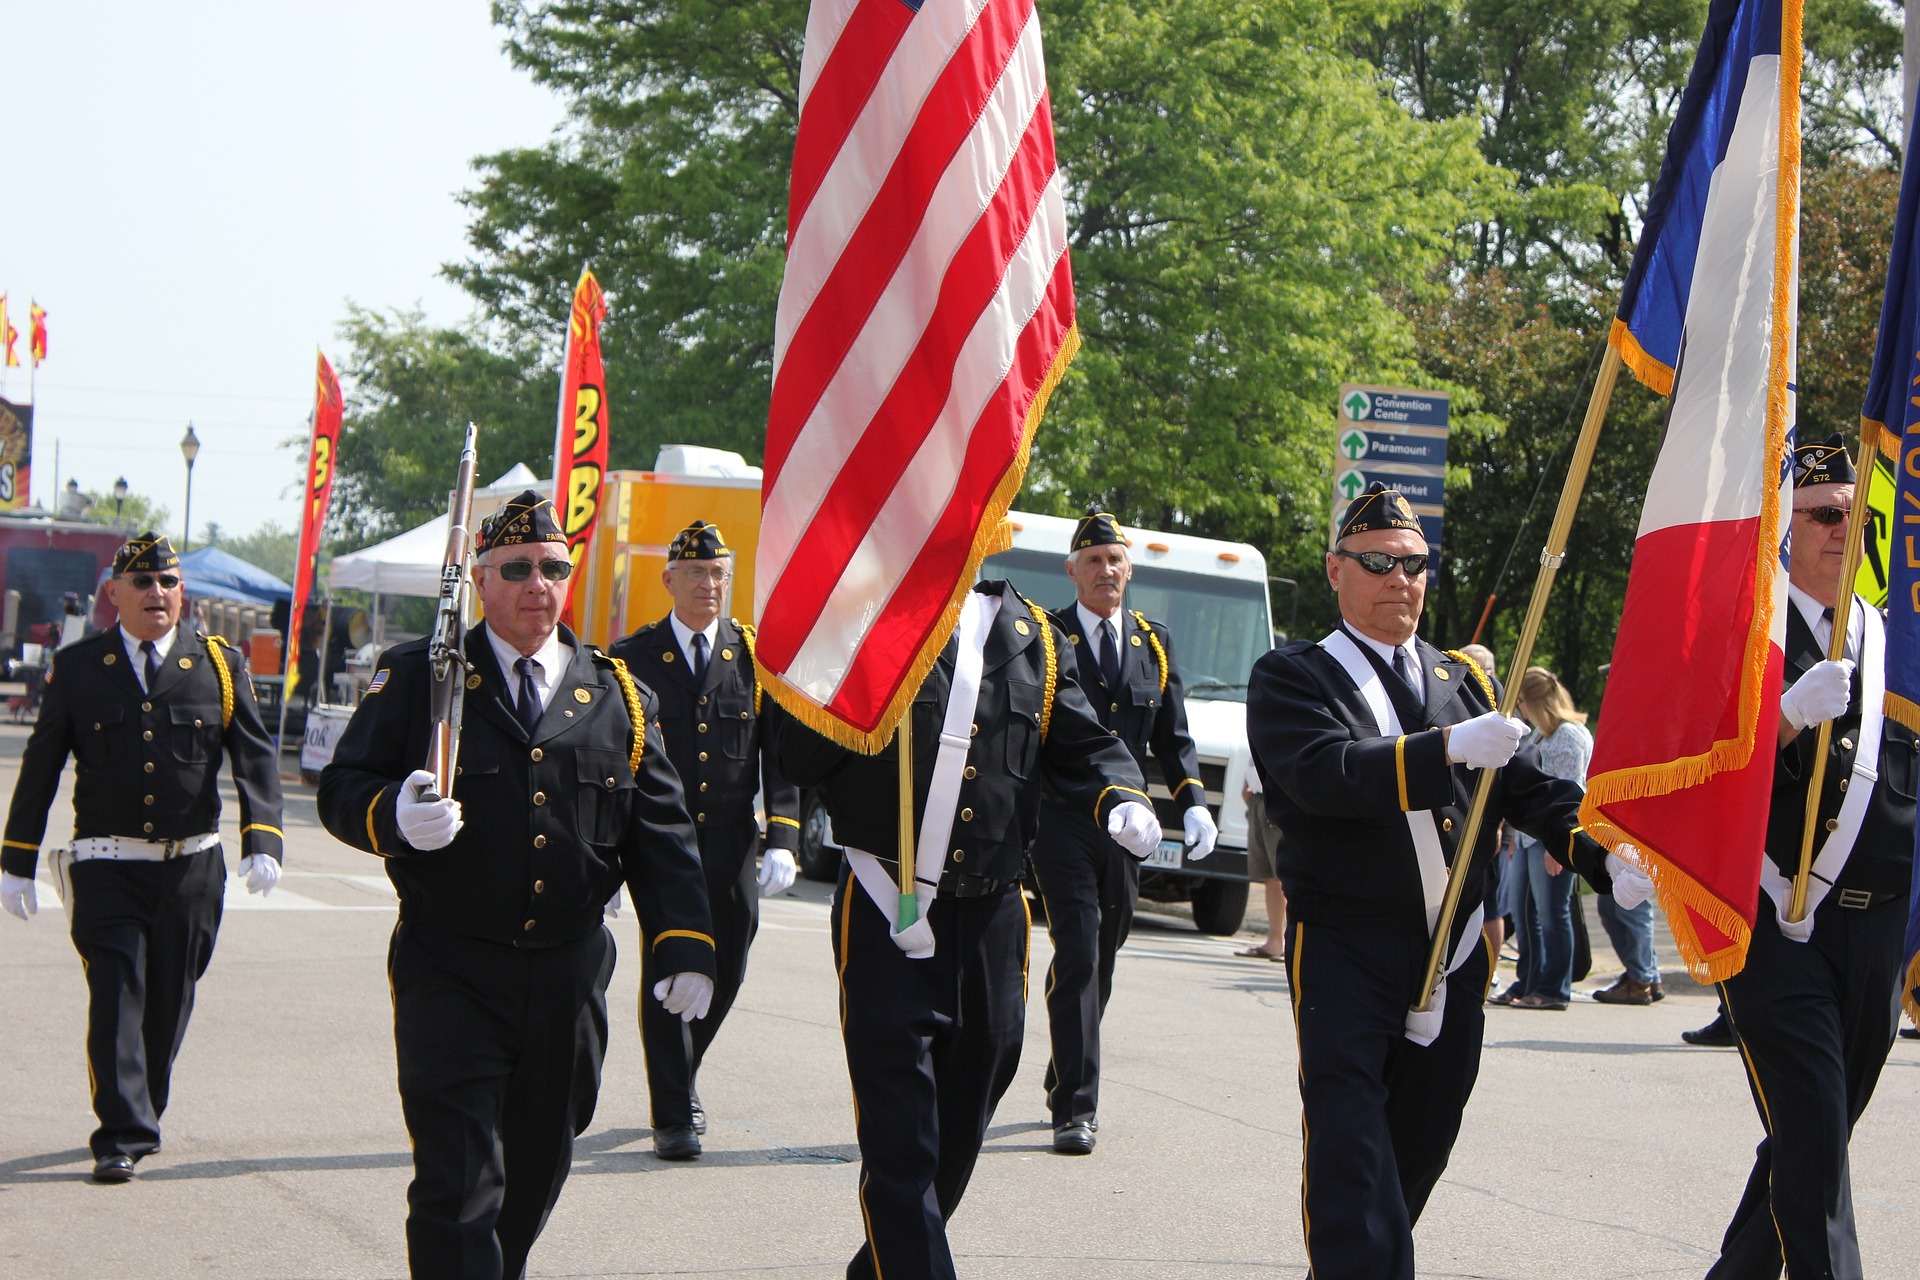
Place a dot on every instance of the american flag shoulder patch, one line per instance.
(378, 682)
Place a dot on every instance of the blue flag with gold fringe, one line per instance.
(1892, 411)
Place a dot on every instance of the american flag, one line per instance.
(925, 317)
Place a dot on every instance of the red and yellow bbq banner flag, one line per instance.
(37, 333)
(327, 411)
(580, 436)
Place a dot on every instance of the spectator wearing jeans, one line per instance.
(1564, 745)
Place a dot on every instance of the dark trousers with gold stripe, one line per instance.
(1379, 1112)
(1815, 1021)
(1090, 885)
(499, 1050)
(145, 931)
(931, 1047)
(675, 1049)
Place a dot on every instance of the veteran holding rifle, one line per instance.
(1369, 743)
(500, 961)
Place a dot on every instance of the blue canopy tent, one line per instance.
(212, 574)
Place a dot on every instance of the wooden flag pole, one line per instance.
(909, 898)
(1836, 648)
(1550, 558)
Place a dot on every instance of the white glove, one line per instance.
(777, 872)
(1821, 694)
(687, 994)
(1201, 833)
(425, 824)
(612, 910)
(17, 895)
(1485, 742)
(1134, 828)
(261, 872)
(1630, 884)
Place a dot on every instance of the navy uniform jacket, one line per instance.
(552, 824)
(1020, 741)
(1149, 709)
(148, 764)
(1882, 857)
(1341, 791)
(721, 735)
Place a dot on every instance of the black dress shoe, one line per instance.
(676, 1142)
(1074, 1139)
(113, 1168)
(1715, 1035)
(699, 1116)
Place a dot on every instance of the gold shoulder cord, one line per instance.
(1159, 651)
(1486, 685)
(225, 677)
(1053, 665)
(635, 712)
(746, 633)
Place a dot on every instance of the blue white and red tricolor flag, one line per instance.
(1892, 412)
(925, 317)
(1683, 762)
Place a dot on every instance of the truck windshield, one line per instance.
(1220, 625)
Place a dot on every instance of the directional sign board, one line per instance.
(1397, 436)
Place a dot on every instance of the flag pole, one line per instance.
(1550, 557)
(1836, 648)
(909, 897)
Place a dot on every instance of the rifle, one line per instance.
(446, 655)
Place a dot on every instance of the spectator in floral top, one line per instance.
(1564, 746)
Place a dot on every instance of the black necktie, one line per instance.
(528, 707)
(153, 663)
(699, 657)
(1404, 669)
(1109, 657)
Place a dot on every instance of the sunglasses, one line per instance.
(145, 581)
(1828, 516)
(1381, 564)
(521, 570)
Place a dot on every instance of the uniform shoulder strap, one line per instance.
(747, 636)
(637, 714)
(1153, 638)
(224, 675)
(1474, 669)
(1052, 656)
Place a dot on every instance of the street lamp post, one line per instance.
(119, 498)
(189, 449)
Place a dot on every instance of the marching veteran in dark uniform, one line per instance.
(1124, 663)
(1370, 742)
(146, 708)
(718, 727)
(933, 1016)
(1816, 1007)
(500, 962)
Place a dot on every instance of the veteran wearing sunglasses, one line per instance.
(147, 708)
(1369, 743)
(500, 962)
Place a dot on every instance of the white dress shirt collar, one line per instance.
(549, 661)
(1386, 651)
(1091, 622)
(685, 634)
(1811, 612)
(162, 646)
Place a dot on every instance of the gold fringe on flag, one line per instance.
(1680, 893)
(994, 535)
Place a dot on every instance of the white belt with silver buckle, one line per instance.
(124, 849)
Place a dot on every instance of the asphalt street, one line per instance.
(1597, 1144)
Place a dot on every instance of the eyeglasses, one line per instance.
(145, 581)
(1381, 564)
(521, 570)
(714, 576)
(1828, 516)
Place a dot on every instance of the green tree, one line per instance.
(132, 513)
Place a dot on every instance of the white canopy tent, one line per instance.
(408, 564)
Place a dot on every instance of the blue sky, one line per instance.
(194, 191)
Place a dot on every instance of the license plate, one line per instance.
(1170, 854)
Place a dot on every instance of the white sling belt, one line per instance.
(1838, 845)
(1422, 1027)
(977, 613)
